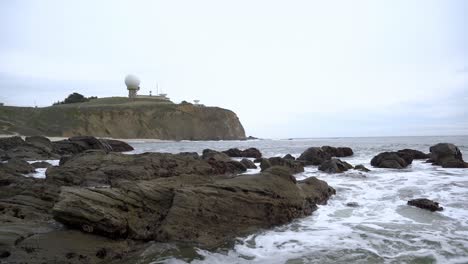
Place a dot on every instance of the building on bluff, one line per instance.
(133, 86)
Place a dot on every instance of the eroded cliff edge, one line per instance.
(119, 117)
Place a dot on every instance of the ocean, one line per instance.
(381, 229)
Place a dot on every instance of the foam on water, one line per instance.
(382, 229)
(40, 172)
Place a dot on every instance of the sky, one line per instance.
(286, 68)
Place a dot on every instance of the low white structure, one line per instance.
(133, 86)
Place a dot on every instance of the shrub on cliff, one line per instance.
(75, 98)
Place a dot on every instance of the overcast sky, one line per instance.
(287, 68)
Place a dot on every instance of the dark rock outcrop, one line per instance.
(189, 208)
(317, 155)
(117, 145)
(447, 155)
(289, 157)
(335, 166)
(209, 153)
(41, 164)
(36, 148)
(415, 154)
(247, 153)
(248, 164)
(361, 167)
(292, 165)
(19, 166)
(338, 152)
(427, 204)
(392, 160)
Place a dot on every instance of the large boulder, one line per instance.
(392, 160)
(314, 156)
(117, 145)
(248, 164)
(19, 166)
(11, 142)
(416, 154)
(335, 166)
(204, 210)
(291, 165)
(213, 154)
(247, 153)
(427, 204)
(447, 155)
(35, 148)
(40, 142)
(338, 152)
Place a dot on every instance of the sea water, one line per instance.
(381, 229)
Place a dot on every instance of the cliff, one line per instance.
(118, 117)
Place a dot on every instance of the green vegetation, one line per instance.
(75, 98)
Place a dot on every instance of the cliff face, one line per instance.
(121, 118)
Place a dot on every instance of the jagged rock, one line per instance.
(361, 167)
(102, 168)
(338, 152)
(335, 166)
(40, 142)
(16, 147)
(247, 153)
(19, 166)
(393, 160)
(190, 154)
(289, 157)
(3, 155)
(41, 164)
(11, 142)
(193, 209)
(447, 155)
(248, 164)
(427, 204)
(117, 145)
(314, 156)
(258, 160)
(416, 154)
(209, 153)
(292, 165)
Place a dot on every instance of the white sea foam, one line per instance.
(40, 172)
(381, 229)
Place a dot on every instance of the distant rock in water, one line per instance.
(361, 167)
(119, 117)
(427, 204)
(392, 160)
(415, 154)
(289, 157)
(335, 166)
(317, 155)
(447, 155)
(247, 153)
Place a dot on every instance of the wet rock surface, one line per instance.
(427, 204)
(392, 160)
(247, 153)
(100, 206)
(317, 155)
(335, 166)
(415, 154)
(447, 155)
(361, 167)
(248, 164)
(292, 165)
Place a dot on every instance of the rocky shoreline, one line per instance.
(102, 206)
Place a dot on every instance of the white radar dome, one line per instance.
(132, 82)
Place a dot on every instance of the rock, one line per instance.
(187, 208)
(425, 204)
(335, 166)
(190, 154)
(352, 204)
(292, 165)
(89, 142)
(99, 168)
(289, 157)
(248, 164)
(11, 142)
(117, 145)
(247, 153)
(393, 160)
(258, 160)
(361, 167)
(251, 153)
(233, 152)
(338, 152)
(3, 155)
(447, 155)
(41, 164)
(19, 166)
(209, 153)
(40, 142)
(416, 154)
(314, 156)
